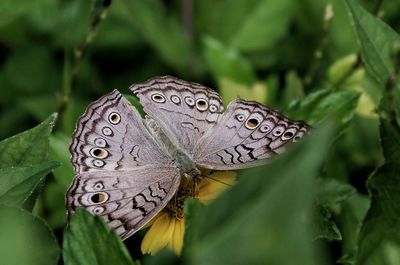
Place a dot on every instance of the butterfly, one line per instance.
(129, 168)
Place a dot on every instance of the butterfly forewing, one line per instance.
(184, 110)
(111, 136)
(123, 174)
(247, 134)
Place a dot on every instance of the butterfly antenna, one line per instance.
(217, 180)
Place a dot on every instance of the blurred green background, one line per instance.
(326, 62)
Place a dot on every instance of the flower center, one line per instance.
(176, 206)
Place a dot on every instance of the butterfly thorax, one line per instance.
(191, 174)
(186, 165)
(179, 157)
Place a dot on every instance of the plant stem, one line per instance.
(71, 69)
(187, 17)
(318, 53)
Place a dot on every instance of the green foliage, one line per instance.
(253, 217)
(168, 40)
(59, 146)
(377, 48)
(376, 45)
(325, 103)
(379, 240)
(26, 239)
(331, 191)
(29, 147)
(227, 63)
(88, 240)
(24, 164)
(380, 234)
(18, 183)
(243, 25)
(332, 198)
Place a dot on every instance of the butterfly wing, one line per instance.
(246, 135)
(127, 199)
(111, 136)
(122, 172)
(184, 110)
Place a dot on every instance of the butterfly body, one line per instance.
(181, 159)
(129, 168)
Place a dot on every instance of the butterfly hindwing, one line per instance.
(127, 199)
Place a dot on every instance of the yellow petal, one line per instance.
(159, 234)
(167, 231)
(211, 186)
(176, 242)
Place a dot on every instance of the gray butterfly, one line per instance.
(129, 168)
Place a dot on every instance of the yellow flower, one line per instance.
(167, 229)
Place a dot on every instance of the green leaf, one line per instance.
(27, 148)
(256, 215)
(294, 88)
(225, 62)
(44, 15)
(164, 257)
(10, 10)
(136, 104)
(88, 240)
(332, 191)
(339, 104)
(23, 164)
(161, 31)
(53, 198)
(347, 259)
(25, 239)
(324, 226)
(193, 211)
(379, 240)
(59, 150)
(252, 34)
(390, 140)
(380, 233)
(379, 236)
(244, 24)
(230, 90)
(317, 106)
(18, 183)
(303, 108)
(377, 42)
(340, 70)
(29, 72)
(350, 218)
